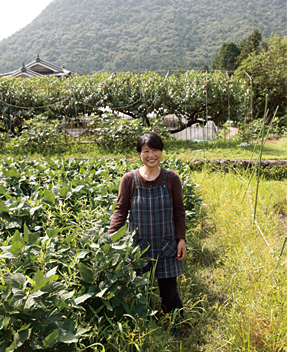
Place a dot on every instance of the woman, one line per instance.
(154, 198)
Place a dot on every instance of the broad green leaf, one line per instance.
(12, 347)
(51, 272)
(81, 299)
(40, 281)
(86, 273)
(108, 305)
(33, 237)
(101, 293)
(81, 331)
(67, 337)
(78, 188)
(2, 189)
(52, 233)
(68, 295)
(18, 297)
(7, 255)
(16, 248)
(17, 237)
(25, 327)
(32, 210)
(50, 338)
(52, 278)
(69, 325)
(70, 237)
(26, 233)
(81, 255)
(49, 196)
(113, 206)
(4, 323)
(22, 335)
(12, 173)
(115, 258)
(119, 234)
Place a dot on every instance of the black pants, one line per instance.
(170, 298)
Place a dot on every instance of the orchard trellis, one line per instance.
(191, 97)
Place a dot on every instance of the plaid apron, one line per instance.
(152, 215)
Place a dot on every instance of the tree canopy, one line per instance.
(268, 70)
(188, 96)
(231, 55)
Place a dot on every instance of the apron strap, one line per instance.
(135, 178)
(165, 178)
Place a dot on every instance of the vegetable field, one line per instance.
(66, 284)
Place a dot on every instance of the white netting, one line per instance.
(197, 132)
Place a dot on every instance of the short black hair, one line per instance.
(152, 140)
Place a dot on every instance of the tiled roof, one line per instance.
(22, 71)
(48, 69)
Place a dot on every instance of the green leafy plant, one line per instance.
(64, 282)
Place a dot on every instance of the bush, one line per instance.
(40, 131)
(109, 129)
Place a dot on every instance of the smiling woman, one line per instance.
(154, 198)
(16, 14)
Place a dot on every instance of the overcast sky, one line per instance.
(16, 14)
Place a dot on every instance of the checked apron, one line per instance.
(151, 214)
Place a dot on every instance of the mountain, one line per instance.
(135, 35)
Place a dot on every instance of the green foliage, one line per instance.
(278, 127)
(64, 281)
(136, 95)
(268, 70)
(40, 131)
(249, 45)
(109, 129)
(231, 55)
(227, 57)
(270, 172)
(94, 35)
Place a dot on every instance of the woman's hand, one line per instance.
(181, 250)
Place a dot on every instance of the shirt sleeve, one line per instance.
(123, 203)
(178, 206)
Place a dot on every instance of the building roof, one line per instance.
(38, 67)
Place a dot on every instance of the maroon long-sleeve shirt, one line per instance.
(126, 192)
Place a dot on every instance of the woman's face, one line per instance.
(150, 157)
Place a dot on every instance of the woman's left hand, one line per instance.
(181, 250)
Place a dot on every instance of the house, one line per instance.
(38, 67)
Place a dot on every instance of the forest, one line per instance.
(128, 35)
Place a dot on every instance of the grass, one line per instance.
(188, 150)
(245, 280)
(185, 150)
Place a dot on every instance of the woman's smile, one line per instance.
(150, 157)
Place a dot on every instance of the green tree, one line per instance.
(268, 70)
(227, 57)
(249, 45)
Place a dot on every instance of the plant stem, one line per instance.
(260, 157)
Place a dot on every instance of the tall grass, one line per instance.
(252, 277)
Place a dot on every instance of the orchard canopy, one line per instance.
(189, 96)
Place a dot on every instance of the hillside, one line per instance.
(137, 35)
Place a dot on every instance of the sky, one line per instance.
(16, 14)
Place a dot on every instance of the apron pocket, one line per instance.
(169, 248)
